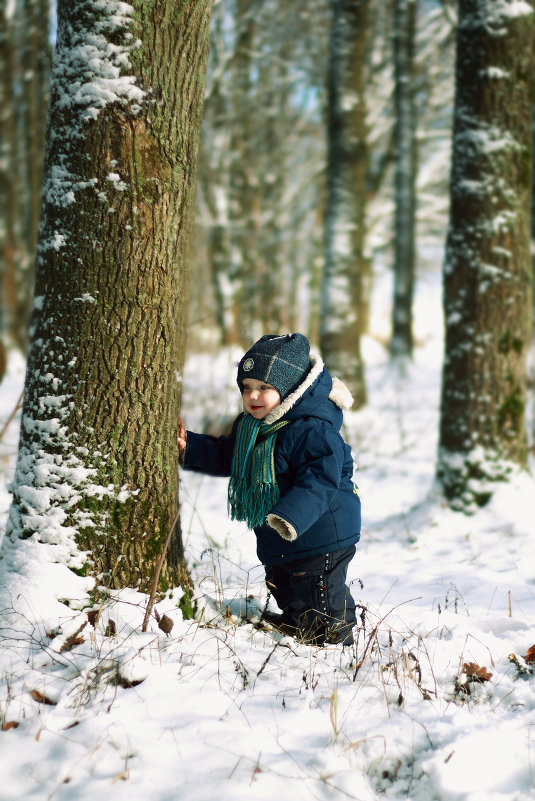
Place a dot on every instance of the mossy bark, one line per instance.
(488, 271)
(111, 297)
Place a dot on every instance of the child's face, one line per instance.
(259, 398)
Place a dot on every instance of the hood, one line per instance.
(318, 395)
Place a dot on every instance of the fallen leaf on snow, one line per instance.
(475, 672)
(42, 699)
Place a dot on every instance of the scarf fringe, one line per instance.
(251, 504)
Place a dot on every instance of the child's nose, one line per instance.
(254, 394)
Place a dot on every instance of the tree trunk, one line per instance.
(36, 63)
(533, 261)
(96, 479)
(9, 244)
(487, 271)
(345, 275)
(25, 68)
(402, 336)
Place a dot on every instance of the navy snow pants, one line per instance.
(313, 596)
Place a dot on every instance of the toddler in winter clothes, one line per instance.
(291, 481)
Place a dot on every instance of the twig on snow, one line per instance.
(158, 569)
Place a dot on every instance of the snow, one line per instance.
(86, 298)
(90, 53)
(115, 179)
(223, 709)
(510, 9)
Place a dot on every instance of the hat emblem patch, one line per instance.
(248, 365)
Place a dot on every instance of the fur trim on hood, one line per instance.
(339, 394)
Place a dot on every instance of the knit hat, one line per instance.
(281, 361)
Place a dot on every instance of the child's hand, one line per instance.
(182, 437)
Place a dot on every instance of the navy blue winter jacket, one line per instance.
(313, 466)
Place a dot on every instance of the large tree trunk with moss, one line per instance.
(346, 275)
(487, 274)
(96, 479)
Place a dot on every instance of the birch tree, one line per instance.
(96, 478)
(345, 274)
(487, 271)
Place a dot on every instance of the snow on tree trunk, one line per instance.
(96, 478)
(487, 271)
(345, 274)
(405, 133)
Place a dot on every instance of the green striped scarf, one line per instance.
(253, 489)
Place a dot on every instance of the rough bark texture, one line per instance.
(405, 133)
(345, 283)
(96, 477)
(487, 275)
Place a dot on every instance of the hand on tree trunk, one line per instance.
(182, 437)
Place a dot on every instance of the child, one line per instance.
(291, 481)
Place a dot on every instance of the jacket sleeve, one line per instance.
(317, 459)
(207, 454)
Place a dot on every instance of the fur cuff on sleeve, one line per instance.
(282, 527)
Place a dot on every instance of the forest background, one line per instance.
(259, 251)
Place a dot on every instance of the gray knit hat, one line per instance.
(281, 361)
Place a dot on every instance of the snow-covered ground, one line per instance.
(222, 709)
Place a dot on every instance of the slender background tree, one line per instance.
(345, 277)
(25, 59)
(401, 343)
